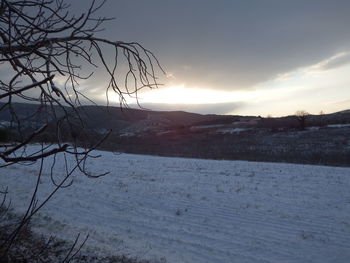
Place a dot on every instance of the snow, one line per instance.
(233, 130)
(338, 125)
(208, 126)
(5, 124)
(313, 128)
(191, 210)
(127, 134)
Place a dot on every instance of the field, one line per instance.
(191, 210)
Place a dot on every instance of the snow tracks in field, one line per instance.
(188, 210)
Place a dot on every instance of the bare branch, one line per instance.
(41, 39)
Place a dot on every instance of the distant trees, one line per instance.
(296, 121)
(322, 119)
(302, 116)
(45, 52)
(278, 123)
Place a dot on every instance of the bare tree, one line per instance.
(45, 52)
(302, 116)
(322, 119)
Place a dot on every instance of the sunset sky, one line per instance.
(249, 57)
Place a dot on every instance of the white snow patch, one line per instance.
(338, 125)
(313, 128)
(208, 126)
(233, 130)
(127, 134)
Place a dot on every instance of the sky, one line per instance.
(248, 57)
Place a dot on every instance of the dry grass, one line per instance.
(31, 247)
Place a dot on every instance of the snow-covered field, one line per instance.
(188, 210)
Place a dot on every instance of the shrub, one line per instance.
(4, 135)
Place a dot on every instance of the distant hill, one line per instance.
(325, 138)
(102, 117)
(117, 119)
(29, 115)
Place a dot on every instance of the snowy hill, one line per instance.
(189, 210)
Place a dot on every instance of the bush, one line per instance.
(4, 135)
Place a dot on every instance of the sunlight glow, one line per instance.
(182, 95)
(322, 86)
(314, 88)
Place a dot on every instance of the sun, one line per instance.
(180, 94)
(171, 95)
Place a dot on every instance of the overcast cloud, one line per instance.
(229, 44)
(233, 45)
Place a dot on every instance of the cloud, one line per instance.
(227, 45)
(235, 45)
(232, 45)
(345, 102)
(334, 62)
